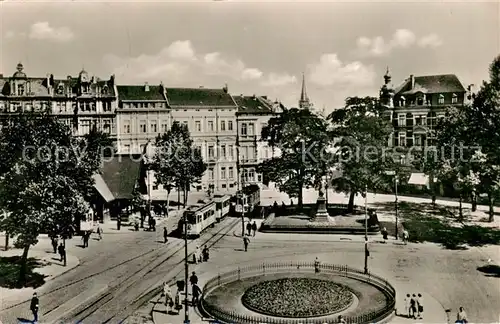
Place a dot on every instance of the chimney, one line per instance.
(112, 80)
(52, 83)
(146, 87)
(412, 81)
(225, 88)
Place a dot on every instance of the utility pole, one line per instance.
(186, 271)
(396, 203)
(366, 229)
(242, 214)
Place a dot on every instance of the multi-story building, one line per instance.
(253, 115)
(142, 114)
(416, 105)
(82, 103)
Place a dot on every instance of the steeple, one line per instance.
(387, 76)
(304, 99)
(387, 91)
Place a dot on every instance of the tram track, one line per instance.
(120, 300)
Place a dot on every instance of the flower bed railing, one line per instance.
(228, 316)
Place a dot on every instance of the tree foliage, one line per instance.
(360, 135)
(177, 162)
(44, 178)
(302, 139)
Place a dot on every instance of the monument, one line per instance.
(322, 215)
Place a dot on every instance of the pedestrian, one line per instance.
(341, 320)
(246, 241)
(408, 305)
(197, 255)
(405, 236)
(99, 232)
(54, 243)
(254, 227)
(413, 306)
(205, 254)
(420, 306)
(316, 265)
(153, 222)
(178, 305)
(384, 234)
(169, 300)
(196, 295)
(34, 307)
(461, 316)
(193, 280)
(165, 235)
(62, 252)
(249, 228)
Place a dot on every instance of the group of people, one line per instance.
(251, 228)
(58, 248)
(414, 306)
(200, 256)
(174, 302)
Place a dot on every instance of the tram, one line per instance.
(247, 200)
(223, 203)
(199, 218)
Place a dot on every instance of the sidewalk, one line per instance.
(51, 268)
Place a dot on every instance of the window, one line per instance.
(93, 106)
(60, 89)
(211, 152)
(243, 129)
(230, 150)
(229, 125)
(185, 123)
(441, 99)
(420, 100)
(454, 99)
(223, 151)
(20, 89)
(251, 153)
(197, 126)
(402, 138)
(224, 186)
(164, 127)
(154, 128)
(223, 172)
(251, 175)
(106, 106)
(402, 101)
(126, 148)
(85, 126)
(418, 140)
(142, 126)
(222, 125)
(106, 127)
(259, 177)
(210, 126)
(401, 120)
(210, 174)
(60, 106)
(231, 172)
(250, 128)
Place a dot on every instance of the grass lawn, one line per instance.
(9, 273)
(440, 225)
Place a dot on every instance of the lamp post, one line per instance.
(396, 203)
(186, 271)
(366, 229)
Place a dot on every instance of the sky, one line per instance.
(255, 47)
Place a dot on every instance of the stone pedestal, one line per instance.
(322, 215)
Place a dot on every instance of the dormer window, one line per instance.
(105, 89)
(441, 99)
(402, 101)
(420, 100)
(60, 89)
(20, 89)
(454, 99)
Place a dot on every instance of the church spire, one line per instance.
(304, 99)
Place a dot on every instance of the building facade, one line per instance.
(253, 115)
(82, 103)
(415, 107)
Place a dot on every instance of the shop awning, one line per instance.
(419, 179)
(102, 188)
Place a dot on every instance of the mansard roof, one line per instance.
(253, 105)
(199, 97)
(443, 83)
(138, 92)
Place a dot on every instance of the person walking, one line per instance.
(34, 306)
(193, 280)
(197, 255)
(461, 316)
(99, 232)
(246, 241)
(408, 305)
(316, 265)
(413, 306)
(384, 234)
(62, 252)
(254, 228)
(205, 253)
(196, 295)
(54, 242)
(169, 300)
(420, 306)
(405, 236)
(165, 235)
(153, 223)
(249, 228)
(177, 302)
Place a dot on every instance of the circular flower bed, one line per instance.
(297, 297)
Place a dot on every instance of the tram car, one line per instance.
(222, 205)
(247, 200)
(199, 217)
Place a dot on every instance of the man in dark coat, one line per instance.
(62, 252)
(193, 279)
(249, 228)
(34, 307)
(246, 240)
(196, 295)
(254, 227)
(165, 235)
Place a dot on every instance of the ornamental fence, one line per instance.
(228, 316)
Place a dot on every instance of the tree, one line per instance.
(177, 163)
(302, 139)
(361, 135)
(44, 179)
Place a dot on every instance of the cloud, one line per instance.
(331, 71)
(43, 31)
(431, 40)
(180, 63)
(402, 38)
(279, 80)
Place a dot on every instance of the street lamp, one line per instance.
(366, 229)
(396, 180)
(241, 204)
(186, 270)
